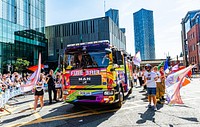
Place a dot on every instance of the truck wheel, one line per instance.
(121, 99)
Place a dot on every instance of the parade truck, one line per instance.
(96, 72)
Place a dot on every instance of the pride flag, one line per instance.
(137, 59)
(34, 78)
(174, 83)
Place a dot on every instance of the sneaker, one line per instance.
(155, 108)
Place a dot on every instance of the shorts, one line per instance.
(58, 88)
(39, 93)
(135, 80)
(151, 91)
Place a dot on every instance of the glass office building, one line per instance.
(144, 34)
(22, 27)
(114, 15)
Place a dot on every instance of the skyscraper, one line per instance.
(114, 15)
(144, 34)
(22, 27)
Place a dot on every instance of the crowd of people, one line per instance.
(15, 80)
(51, 82)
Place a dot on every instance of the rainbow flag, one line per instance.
(174, 83)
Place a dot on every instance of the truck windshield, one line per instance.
(88, 60)
(100, 58)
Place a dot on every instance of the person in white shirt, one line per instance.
(135, 79)
(150, 81)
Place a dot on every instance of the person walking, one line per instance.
(135, 79)
(150, 79)
(158, 85)
(162, 73)
(39, 92)
(51, 86)
(140, 77)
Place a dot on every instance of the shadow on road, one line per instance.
(192, 119)
(147, 115)
(18, 103)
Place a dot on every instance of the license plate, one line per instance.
(84, 93)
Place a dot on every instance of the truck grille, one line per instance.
(85, 80)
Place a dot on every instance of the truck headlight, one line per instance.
(108, 93)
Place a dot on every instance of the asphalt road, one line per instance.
(133, 112)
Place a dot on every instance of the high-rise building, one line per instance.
(144, 34)
(97, 29)
(22, 27)
(191, 38)
(114, 15)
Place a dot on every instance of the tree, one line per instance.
(21, 65)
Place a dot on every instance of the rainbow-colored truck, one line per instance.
(104, 77)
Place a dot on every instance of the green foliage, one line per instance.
(21, 65)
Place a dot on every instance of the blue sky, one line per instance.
(167, 18)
